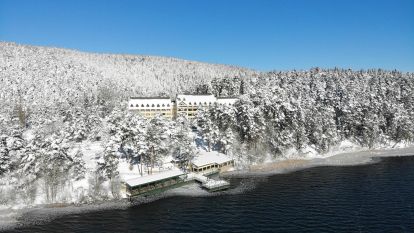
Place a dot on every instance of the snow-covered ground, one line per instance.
(345, 154)
(74, 190)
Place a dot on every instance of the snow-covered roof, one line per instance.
(153, 178)
(149, 102)
(203, 99)
(213, 157)
(149, 97)
(226, 100)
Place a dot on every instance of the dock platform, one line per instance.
(208, 183)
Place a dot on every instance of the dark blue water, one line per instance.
(369, 198)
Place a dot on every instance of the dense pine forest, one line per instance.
(53, 101)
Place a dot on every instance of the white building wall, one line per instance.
(151, 107)
(196, 100)
(145, 103)
(184, 104)
(227, 101)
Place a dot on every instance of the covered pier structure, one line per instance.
(160, 181)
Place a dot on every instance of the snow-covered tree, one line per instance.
(109, 165)
(182, 143)
(4, 155)
(157, 138)
(78, 166)
(52, 100)
(207, 128)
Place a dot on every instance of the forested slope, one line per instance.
(47, 79)
(54, 103)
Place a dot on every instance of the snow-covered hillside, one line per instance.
(38, 77)
(55, 104)
(66, 135)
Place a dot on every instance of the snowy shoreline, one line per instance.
(11, 218)
(353, 158)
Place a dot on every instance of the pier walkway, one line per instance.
(208, 183)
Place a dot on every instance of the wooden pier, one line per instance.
(208, 183)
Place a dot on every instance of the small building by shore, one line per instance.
(160, 181)
(211, 162)
(203, 165)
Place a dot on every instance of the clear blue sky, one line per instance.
(260, 34)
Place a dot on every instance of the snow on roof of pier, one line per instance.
(153, 178)
(212, 157)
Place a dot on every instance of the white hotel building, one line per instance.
(183, 104)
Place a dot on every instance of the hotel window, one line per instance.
(153, 105)
(168, 105)
(132, 105)
(147, 105)
(195, 103)
(209, 103)
(158, 105)
(189, 103)
(163, 105)
(137, 105)
(142, 105)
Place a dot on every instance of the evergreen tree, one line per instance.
(157, 138)
(183, 148)
(4, 155)
(109, 163)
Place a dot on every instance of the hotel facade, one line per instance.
(186, 105)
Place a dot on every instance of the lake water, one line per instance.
(368, 198)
